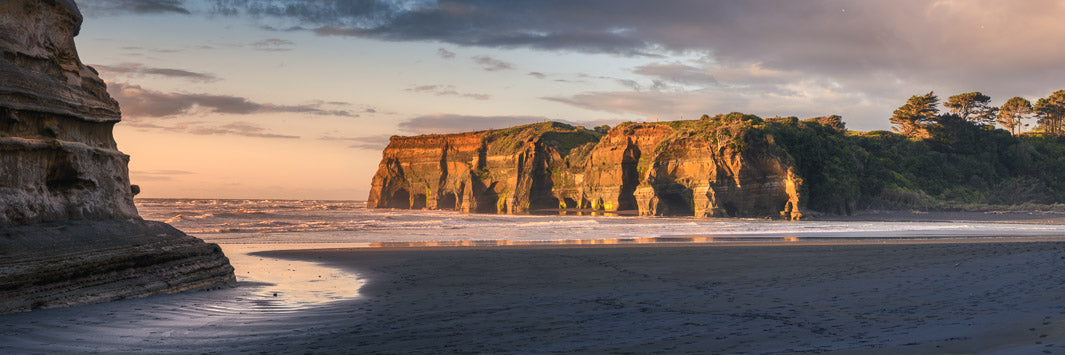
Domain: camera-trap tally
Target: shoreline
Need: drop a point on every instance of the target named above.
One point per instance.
(887, 298)
(939, 296)
(720, 242)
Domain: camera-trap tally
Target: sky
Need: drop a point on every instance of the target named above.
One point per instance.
(294, 99)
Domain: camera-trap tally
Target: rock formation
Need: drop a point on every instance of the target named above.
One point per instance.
(69, 231)
(710, 167)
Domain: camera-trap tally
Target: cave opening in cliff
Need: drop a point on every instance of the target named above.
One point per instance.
(418, 202)
(400, 199)
(677, 201)
(447, 201)
(630, 178)
(489, 203)
(570, 203)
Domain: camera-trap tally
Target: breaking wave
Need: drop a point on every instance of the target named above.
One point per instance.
(270, 221)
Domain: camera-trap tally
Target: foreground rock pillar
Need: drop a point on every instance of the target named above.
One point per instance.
(69, 231)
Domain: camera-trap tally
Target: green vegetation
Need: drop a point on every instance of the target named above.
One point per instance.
(561, 136)
(1013, 112)
(918, 112)
(972, 106)
(949, 161)
(954, 160)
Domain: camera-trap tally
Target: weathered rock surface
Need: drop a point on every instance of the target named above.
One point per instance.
(67, 263)
(706, 167)
(59, 163)
(488, 171)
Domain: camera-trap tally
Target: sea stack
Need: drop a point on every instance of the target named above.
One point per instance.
(69, 231)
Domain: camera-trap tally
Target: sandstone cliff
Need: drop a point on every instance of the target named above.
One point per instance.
(711, 167)
(488, 171)
(66, 204)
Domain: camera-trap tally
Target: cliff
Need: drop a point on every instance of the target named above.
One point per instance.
(504, 171)
(70, 230)
(723, 166)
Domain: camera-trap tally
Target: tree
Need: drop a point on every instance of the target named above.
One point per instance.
(912, 118)
(972, 106)
(1051, 111)
(1013, 112)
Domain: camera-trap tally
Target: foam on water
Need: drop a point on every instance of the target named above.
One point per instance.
(310, 221)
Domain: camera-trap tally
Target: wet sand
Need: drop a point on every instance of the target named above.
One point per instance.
(909, 297)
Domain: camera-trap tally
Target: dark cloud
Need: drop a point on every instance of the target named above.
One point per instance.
(137, 69)
(274, 45)
(537, 75)
(447, 90)
(909, 45)
(200, 128)
(491, 64)
(444, 53)
(113, 7)
(375, 143)
(140, 102)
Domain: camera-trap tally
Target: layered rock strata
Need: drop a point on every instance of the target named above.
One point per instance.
(66, 203)
(706, 167)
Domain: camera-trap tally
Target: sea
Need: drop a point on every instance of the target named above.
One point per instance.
(278, 300)
(262, 221)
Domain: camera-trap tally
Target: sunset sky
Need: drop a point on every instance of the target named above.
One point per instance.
(296, 99)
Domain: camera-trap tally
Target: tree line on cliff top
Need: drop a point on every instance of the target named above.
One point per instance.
(952, 160)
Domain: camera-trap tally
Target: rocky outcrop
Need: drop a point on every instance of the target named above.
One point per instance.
(67, 263)
(63, 181)
(488, 171)
(716, 166)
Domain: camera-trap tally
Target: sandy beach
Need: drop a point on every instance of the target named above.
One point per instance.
(937, 297)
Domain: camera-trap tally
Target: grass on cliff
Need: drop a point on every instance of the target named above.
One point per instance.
(561, 136)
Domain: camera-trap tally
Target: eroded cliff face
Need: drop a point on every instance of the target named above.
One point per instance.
(60, 166)
(707, 167)
(488, 171)
(60, 160)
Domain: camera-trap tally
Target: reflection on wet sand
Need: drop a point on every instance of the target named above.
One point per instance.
(736, 240)
(288, 284)
(606, 241)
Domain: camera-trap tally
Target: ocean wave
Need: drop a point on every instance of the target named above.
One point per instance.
(560, 223)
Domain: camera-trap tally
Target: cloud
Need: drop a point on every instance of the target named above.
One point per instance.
(137, 69)
(447, 90)
(677, 73)
(140, 102)
(157, 175)
(537, 75)
(114, 7)
(243, 129)
(452, 123)
(238, 129)
(890, 49)
(375, 143)
(273, 45)
(803, 98)
(444, 53)
(491, 64)
(162, 172)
